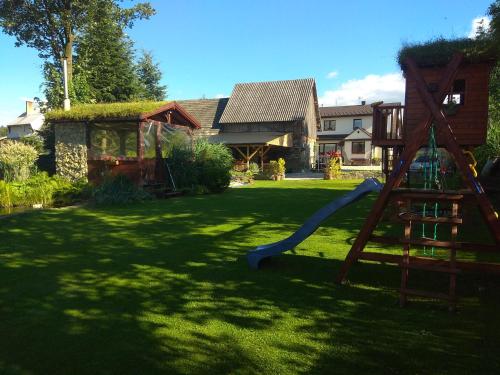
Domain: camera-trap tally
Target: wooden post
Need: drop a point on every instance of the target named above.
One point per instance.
(262, 159)
(140, 150)
(248, 157)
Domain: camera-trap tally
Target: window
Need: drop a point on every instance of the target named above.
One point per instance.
(328, 147)
(457, 94)
(358, 147)
(357, 123)
(329, 124)
(113, 140)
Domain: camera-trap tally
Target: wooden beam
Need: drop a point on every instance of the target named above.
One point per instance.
(241, 152)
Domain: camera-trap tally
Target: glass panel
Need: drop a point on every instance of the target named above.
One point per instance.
(113, 140)
(149, 134)
(357, 123)
(172, 138)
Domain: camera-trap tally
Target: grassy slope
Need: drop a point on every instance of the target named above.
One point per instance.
(163, 287)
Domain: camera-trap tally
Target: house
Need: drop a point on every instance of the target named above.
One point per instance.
(347, 129)
(27, 123)
(264, 121)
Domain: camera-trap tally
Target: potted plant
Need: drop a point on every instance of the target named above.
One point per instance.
(332, 169)
(277, 169)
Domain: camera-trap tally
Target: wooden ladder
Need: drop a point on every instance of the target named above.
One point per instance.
(448, 267)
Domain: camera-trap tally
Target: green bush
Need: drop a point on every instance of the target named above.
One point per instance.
(33, 140)
(44, 190)
(202, 167)
(17, 160)
(254, 168)
(118, 190)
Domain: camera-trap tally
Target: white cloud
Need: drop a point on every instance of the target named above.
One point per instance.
(477, 24)
(220, 96)
(333, 74)
(372, 88)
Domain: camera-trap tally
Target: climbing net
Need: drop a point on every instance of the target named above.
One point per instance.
(433, 179)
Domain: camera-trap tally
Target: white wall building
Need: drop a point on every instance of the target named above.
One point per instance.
(346, 129)
(27, 123)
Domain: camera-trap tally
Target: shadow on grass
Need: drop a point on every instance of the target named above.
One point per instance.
(163, 287)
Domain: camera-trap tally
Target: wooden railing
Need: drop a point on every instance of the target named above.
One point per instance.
(388, 124)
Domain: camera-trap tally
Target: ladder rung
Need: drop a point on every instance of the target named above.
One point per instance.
(464, 246)
(431, 195)
(430, 242)
(430, 268)
(424, 293)
(408, 216)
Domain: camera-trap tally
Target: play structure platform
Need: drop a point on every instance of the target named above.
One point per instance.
(309, 227)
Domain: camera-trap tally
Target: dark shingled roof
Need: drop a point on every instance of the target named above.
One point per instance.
(346, 110)
(275, 101)
(206, 111)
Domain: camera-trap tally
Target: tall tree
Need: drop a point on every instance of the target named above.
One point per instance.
(149, 75)
(53, 26)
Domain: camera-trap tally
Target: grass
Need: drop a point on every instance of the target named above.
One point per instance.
(439, 51)
(89, 112)
(163, 287)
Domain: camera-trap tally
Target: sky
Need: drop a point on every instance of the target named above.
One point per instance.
(204, 47)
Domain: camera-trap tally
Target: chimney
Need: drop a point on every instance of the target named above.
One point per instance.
(29, 107)
(363, 102)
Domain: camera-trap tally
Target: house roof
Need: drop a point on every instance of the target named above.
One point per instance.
(346, 110)
(207, 111)
(365, 134)
(276, 101)
(26, 119)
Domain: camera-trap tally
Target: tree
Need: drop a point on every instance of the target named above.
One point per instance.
(104, 64)
(53, 26)
(492, 146)
(149, 75)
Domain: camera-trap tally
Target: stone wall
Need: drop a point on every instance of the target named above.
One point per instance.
(71, 150)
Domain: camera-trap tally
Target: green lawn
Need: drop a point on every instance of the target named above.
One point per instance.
(163, 287)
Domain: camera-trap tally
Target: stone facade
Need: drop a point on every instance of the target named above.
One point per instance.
(71, 150)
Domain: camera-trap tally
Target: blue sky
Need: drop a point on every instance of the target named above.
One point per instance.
(204, 47)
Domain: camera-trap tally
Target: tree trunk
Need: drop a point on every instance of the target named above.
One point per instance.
(68, 54)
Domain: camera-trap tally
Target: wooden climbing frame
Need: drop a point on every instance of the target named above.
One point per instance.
(391, 190)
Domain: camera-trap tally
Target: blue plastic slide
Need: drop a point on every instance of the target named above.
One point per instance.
(309, 227)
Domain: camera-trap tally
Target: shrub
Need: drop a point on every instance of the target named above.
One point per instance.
(5, 194)
(254, 169)
(201, 168)
(118, 190)
(33, 140)
(376, 161)
(44, 190)
(17, 160)
(332, 170)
